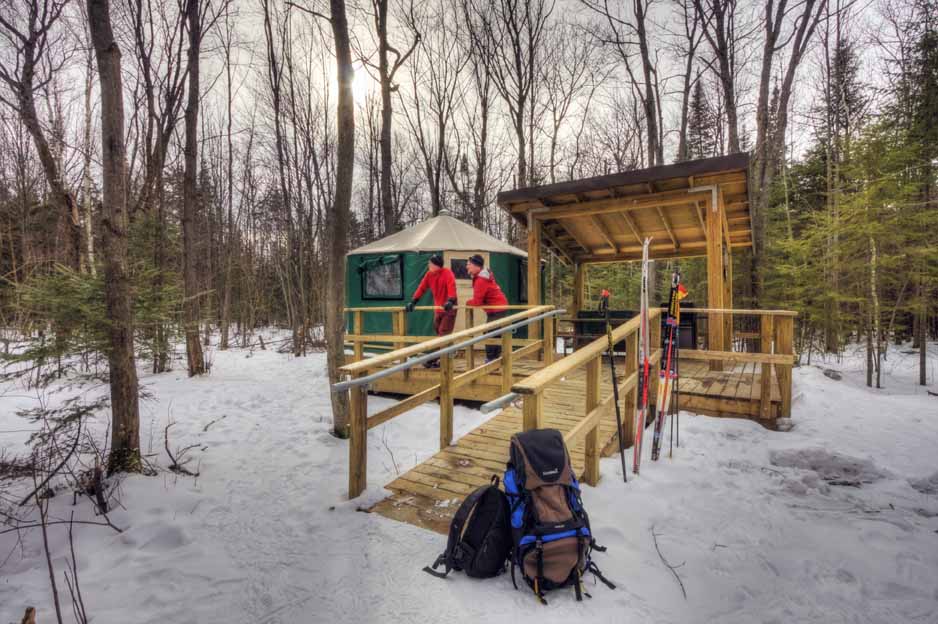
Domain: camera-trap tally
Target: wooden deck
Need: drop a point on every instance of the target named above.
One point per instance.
(429, 494)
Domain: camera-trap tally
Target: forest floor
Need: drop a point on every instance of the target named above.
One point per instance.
(752, 519)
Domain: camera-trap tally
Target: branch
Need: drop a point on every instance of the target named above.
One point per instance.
(309, 11)
(670, 567)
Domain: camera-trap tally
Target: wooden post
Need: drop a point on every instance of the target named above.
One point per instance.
(715, 275)
(507, 357)
(531, 411)
(766, 333)
(784, 329)
(534, 270)
(550, 343)
(631, 397)
(358, 441)
(591, 451)
(446, 401)
(727, 274)
(470, 350)
(399, 326)
(578, 288)
(359, 327)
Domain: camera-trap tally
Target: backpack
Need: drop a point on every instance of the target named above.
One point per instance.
(551, 539)
(479, 535)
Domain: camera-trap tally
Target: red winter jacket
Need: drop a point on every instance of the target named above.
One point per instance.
(442, 285)
(485, 292)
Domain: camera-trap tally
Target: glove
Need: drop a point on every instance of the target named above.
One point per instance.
(410, 306)
(449, 304)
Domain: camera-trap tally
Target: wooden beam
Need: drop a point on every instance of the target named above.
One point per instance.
(736, 356)
(615, 204)
(557, 245)
(784, 329)
(591, 448)
(727, 271)
(700, 217)
(667, 227)
(446, 401)
(578, 288)
(766, 333)
(632, 226)
(534, 268)
(579, 241)
(715, 280)
(358, 441)
(604, 231)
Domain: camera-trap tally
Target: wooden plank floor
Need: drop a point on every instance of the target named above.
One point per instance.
(429, 494)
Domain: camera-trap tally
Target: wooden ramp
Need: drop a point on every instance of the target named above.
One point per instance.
(429, 494)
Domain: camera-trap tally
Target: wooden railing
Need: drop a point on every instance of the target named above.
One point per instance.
(398, 338)
(761, 337)
(359, 420)
(596, 407)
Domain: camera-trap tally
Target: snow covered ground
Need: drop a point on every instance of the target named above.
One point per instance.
(265, 535)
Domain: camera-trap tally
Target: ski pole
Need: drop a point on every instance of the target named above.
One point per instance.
(604, 307)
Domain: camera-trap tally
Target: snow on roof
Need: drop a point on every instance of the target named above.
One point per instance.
(442, 233)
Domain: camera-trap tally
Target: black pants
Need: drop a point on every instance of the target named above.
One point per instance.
(493, 352)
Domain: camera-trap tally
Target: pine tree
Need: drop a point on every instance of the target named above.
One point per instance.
(701, 125)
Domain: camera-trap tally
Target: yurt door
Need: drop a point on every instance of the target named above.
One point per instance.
(458, 262)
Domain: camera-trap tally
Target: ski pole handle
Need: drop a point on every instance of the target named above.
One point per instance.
(604, 301)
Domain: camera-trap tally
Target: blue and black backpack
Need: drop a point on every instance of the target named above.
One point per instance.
(551, 539)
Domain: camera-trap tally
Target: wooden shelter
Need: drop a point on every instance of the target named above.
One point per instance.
(689, 209)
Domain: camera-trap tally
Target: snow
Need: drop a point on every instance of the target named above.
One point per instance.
(753, 518)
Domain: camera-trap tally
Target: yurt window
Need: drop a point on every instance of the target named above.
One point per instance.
(383, 277)
(460, 268)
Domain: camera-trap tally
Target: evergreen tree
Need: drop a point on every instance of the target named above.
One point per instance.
(701, 125)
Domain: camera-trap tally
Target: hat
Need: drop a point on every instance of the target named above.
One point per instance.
(437, 259)
(477, 260)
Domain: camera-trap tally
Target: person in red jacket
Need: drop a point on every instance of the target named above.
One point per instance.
(442, 285)
(486, 292)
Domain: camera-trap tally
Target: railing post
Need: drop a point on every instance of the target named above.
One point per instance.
(507, 357)
(470, 350)
(591, 451)
(358, 441)
(766, 333)
(358, 347)
(446, 401)
(784, 329)
(628, 407)
(549, 342)
(399, 326)
(531, 409)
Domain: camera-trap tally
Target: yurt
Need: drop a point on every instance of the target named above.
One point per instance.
(388, 271)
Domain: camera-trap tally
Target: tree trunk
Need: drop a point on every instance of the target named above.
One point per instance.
(338, 223)
(194, 356)
(125, 420)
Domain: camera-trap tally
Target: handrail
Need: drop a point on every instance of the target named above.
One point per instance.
(435, 307)
(442, 341)
(537, 382)
(433, 355)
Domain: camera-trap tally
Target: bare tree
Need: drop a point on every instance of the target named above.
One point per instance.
(517, 30)
(626, 32)
(125, 419)
(788, 27)
(190, 199)
(436, 84)
(38, 51)
(338, 220)
(721, 32)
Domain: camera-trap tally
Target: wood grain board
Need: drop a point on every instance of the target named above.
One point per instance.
(429, 494)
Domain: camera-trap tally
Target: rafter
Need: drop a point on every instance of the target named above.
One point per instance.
(667, 227)
(604, 231)
(632, 226)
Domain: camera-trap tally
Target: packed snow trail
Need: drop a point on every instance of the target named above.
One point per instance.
(265, 534)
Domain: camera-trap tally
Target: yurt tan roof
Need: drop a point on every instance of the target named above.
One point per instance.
(442, 233)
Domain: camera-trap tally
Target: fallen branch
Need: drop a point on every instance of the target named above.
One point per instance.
(673, 568)
(30, 616)
(176, 466)
(50, 523)
(205, 428)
